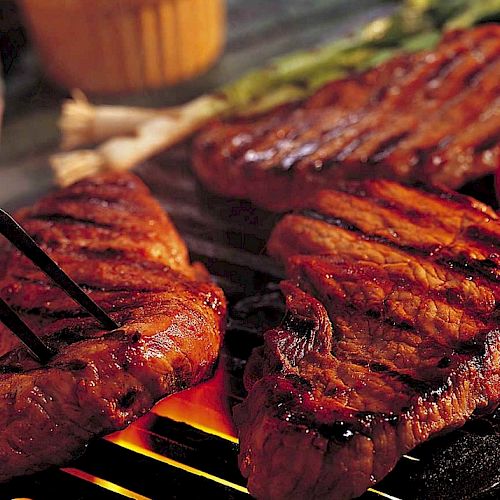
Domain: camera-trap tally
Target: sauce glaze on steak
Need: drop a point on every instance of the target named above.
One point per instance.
(113, 238)
(391, 337)
(432, 116)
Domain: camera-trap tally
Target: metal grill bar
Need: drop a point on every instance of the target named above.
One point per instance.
(103, 483)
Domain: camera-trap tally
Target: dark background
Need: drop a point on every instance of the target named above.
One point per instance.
(13, 39)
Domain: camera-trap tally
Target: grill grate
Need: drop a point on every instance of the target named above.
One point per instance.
(186, 447)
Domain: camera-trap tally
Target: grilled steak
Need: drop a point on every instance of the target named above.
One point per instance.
(391, 337)
(110, 236)
(431, 116)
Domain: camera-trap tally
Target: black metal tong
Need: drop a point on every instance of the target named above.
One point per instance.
(28, 247)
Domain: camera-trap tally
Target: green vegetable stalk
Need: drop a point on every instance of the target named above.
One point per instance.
(415, 25)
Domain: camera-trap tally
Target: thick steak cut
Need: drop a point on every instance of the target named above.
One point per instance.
(432, 116)
(391, 337)
(109, 234)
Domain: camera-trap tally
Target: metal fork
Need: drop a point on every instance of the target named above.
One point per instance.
(28, 247)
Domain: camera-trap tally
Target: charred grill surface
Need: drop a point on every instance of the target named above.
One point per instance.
(431, 117)
(109, 235)
(391, 337)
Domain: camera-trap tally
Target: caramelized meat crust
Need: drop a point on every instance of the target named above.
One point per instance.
(109, 235)
(432, 116)
(391, 337)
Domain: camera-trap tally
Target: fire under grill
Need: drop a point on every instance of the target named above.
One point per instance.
(186, 447)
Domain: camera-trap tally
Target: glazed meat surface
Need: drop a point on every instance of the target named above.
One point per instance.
(391, 337)
(432, 116)
(113, 238)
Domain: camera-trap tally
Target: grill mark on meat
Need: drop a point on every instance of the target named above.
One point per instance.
(474, 78)
(290, 160)
(474, 347)
(415, 385)
(349, 148)
(456, 122)
(378, 92)
(47, 313)
(386, 146)
(431, 104)
(407, 214)
(138, 270)
(127, 399)
(125, 206)
(413, 337)
(68, 219)
(334, 221)
(474, 71)
(439, 193)
(73, 365)
(137, 298)
(360, 422)
(260, 143)
(63, 313)
(83, 198)
(484, 268)
(305, 147)
(454, 126)
(67, 336)
(346, 150)
(428, 93)
(64, 338)
(451, 295)
(418, 215)
(338, 431)
(402, 71)
(421, 156)
(365, 134)
(474, 232)
(104, 200)
(488, 143)
(348, 226)
(99, 286)
(100, 254)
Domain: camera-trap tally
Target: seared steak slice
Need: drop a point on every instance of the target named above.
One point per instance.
(391, 337)
(430, 116)
(111, 236)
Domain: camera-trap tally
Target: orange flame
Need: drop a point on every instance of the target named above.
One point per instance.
(204, 406)
(133, 439)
